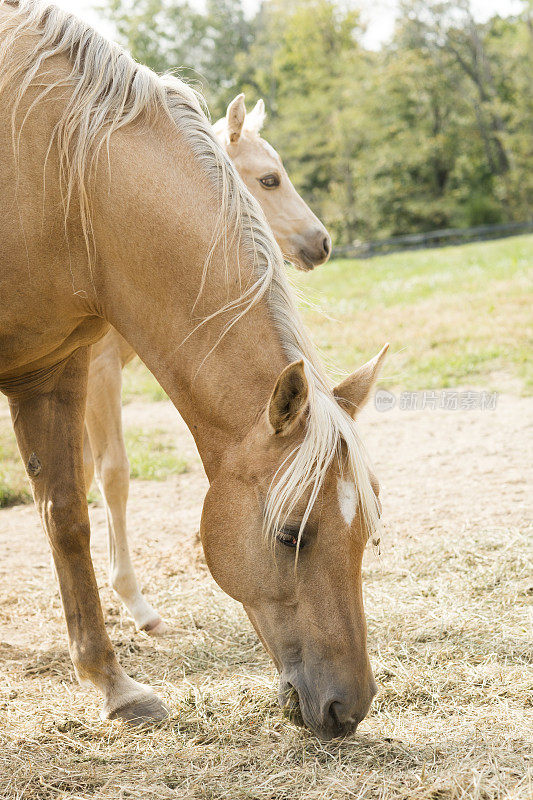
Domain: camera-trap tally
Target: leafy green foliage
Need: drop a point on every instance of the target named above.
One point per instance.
(434, 130)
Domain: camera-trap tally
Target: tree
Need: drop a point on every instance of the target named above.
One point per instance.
(164, 36)
(433, 130)
(307, 63)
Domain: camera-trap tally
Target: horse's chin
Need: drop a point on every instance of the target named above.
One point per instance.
(300, 262)
(290, 704)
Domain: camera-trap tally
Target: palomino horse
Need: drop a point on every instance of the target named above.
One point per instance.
(118, 206)
(302, 238)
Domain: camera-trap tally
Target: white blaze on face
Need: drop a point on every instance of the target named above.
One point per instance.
(347, 499)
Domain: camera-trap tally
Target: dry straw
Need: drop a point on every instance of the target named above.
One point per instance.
(447, 635)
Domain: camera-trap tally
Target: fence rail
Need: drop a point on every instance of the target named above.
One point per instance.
(420, 241)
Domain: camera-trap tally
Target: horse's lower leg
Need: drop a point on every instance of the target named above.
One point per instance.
(104, 425)
(112, 475)
(49, 430)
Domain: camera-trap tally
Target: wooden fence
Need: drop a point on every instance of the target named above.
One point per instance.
(420, 241)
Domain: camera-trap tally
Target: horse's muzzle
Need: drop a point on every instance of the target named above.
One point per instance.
(310, 249)
(329, 716)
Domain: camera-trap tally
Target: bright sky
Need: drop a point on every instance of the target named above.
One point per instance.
(378, 14)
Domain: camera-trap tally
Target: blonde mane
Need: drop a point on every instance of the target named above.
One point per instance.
(109, 91)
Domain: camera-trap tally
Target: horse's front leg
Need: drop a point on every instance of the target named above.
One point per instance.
(49, 430)
(104, 426)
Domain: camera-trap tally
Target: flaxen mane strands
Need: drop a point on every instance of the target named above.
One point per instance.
(109, 90)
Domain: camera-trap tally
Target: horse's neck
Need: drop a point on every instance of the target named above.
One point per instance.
(154, 224)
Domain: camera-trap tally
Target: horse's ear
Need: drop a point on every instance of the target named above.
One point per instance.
(256, 118)
(354, 391)
(235, 118)
(288, 402)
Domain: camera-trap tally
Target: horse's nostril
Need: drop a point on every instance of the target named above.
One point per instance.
(333, 713)
(326, 245)
(337, 719)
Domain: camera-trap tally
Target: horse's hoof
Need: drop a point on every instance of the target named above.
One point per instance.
(146, 711)
(157, 628)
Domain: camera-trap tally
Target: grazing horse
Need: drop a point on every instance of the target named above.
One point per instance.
(119, 207)
(302, 238)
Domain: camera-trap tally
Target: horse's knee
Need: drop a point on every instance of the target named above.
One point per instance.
(114, 474)
(124, 583)
(67, 525)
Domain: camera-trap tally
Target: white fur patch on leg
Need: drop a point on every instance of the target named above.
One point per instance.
(347, 499)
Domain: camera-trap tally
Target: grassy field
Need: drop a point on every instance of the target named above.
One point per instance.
(153, 456)
(13, 481)
(457, 316)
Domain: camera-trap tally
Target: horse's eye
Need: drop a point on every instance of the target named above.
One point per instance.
(288, 535)
(269, 181)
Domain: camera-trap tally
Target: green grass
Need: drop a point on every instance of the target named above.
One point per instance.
(139, 384)
(454, 316)
(14, 487)
(153, 455)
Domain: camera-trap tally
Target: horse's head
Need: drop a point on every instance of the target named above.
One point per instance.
(304, 597)
(301, 236)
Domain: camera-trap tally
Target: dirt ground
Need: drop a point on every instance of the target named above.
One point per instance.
(456, 493)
